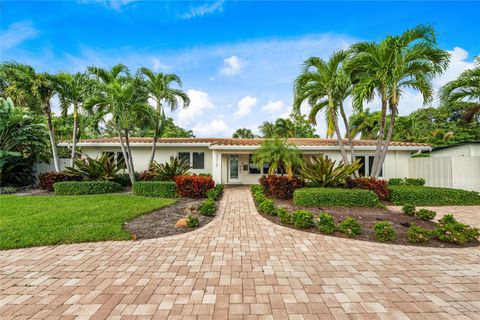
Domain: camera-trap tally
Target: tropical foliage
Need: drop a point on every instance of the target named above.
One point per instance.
(281, 155)
(243, 133)
(295, 126)
(169, 170)
(101, 169)
(324, 172)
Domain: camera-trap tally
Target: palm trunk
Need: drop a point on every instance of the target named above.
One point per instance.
(75, 133)
(340, 141)
(349, 137)
(125, 156)
(155, 135)
(387, 141)
(130, 161)
(380, 138)
(53, 144)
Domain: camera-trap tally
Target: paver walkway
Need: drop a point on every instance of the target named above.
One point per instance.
(240, 266)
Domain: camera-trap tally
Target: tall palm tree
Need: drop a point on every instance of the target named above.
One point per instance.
(386, 69)
(365, 123)
(267, 129)
(319, 85)
(34, 91)
(73, 90)
(284, 128)
(243, 133)
(464, 92)
(278, 154)
(160, 90)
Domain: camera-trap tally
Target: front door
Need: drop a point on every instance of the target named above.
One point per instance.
(233, 169)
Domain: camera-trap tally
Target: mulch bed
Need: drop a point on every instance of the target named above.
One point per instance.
(161, 223)
(367, 217)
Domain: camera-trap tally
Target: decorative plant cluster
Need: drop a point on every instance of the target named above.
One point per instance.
(194, 186)
(406, 182)
(302, 219)
(103, 168)
(326, 223)
(424, 214)
(284, 216)
(281, 187)
(409, 209)
(86, 187)
(192, 221)
(416, 234)
(379, 186)
(431, 196)
(324, 172)
(384, 232)
(162, 189)
(46, 180)
(208, 206)
(350, 227)
(166, 171)
(335, 197)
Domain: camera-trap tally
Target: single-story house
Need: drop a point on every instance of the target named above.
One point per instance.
(229, 160)
(461, 149)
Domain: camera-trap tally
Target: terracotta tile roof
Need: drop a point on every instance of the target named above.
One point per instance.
(253, 142)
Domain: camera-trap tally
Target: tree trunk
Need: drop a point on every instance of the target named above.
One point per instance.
(340, 140)
(381, 137)
(75, 133)
(387, 142)
(130, 161)
(125, 157)
(51, 133)
(155, 134)
(349, 137)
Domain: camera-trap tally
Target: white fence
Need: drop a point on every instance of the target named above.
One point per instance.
(448, 172)
(42, 167)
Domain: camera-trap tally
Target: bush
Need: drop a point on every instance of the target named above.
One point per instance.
(425, 214)
(264, 184)
(384, 231)
(302, 219)
(380, 187)
(350, 227)
(430, 196)
(267, 207)
(103, 168)
(169, 170)
(326, 224)
(86, 187)
(395, 182)
(194, 186)
(417, 234)
(46, 180)
(192, 221)
(406, 182)
(326, 173)
(215, 193)
(7, 190)
(332, 197)
(122, 179)
(281, 187)
(163, 189)
(285, 216)
(207, 208)
(449, 230)
(409, 209)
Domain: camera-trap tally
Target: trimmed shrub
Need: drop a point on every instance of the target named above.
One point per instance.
(417, 234)
(46, 180)
(86, 187)
(406, 182)
(264, 184)
(216, 192)
(425, 214)
(384, 231)
(449, 230)
(334, 197)
(302, 219)
(281, 187)
(285, 216)
(267, 207)
(326, 224)
(380, 187)
(194, 186)
(350, 227)
(163, 189)
(207, 208)
(409, 209)
(122, 179)
(431, 196)
(7, 190)
(192, 221)
(395, 182)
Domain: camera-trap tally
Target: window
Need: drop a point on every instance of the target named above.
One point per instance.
(198, 160)
(184, 156)
(252, 167)
(367, 165)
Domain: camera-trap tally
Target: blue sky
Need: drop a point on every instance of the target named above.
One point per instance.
(237, 59)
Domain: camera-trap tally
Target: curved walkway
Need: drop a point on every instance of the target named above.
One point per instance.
(240, 266)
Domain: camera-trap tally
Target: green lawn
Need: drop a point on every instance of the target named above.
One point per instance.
(45, 220)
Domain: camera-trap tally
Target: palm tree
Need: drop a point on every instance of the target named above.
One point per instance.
(284, 128)
(243, 133)
(386, 69)
(365, 123)
(267, 129)
(159, 89)
(320, 84)
(73, 90)
(279, 154)
(34, 91)
(464, 92)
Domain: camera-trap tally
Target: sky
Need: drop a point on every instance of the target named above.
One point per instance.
(237, 59)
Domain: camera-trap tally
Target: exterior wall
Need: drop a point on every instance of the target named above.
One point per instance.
(472, 149)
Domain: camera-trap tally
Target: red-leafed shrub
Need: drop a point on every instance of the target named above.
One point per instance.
(264, 183)
(46, 180)
(146, 175)
(379, 186)
(194, 186)
(281, 187)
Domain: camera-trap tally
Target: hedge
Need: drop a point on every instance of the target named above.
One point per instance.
(47, 179)
(335, 197)
(431, 196)
(194, 186)
(163, 189)
(86, 187)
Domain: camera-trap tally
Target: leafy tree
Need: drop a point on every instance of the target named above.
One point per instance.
(243, 133)
(386, 69)
(296, 126)
(279, 154)
(267, 129)
(365, 123)
(303, 127)
(159, 89)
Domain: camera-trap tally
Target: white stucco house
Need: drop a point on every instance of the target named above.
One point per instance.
(229, 160)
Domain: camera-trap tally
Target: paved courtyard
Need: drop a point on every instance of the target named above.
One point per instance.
(240, 266)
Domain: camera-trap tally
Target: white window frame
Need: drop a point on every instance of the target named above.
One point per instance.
(367, 164)
(190, 158)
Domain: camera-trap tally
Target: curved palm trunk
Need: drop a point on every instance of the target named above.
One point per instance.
(125, 156)
(380, 138)
(156, 131)
(75, 134)
(130, 161)
(51, 133)
(386, 143)
(340, 141)
(349, 137)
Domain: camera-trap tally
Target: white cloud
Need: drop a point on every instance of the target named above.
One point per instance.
(205, 9)
(232, 66)
(110, 4)
(458, 64)
(199, 102)
(214, 127)
(274, 106)
(157, 65)
(245, 106)
(16, 33)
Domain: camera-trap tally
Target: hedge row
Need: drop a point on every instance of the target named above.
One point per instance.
(335, 197)
(162, 189)
(86, 187)
(431, 196)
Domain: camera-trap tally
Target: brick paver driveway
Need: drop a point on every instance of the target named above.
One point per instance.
(240, 266)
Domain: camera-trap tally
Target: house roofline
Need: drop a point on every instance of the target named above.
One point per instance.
(462, 143)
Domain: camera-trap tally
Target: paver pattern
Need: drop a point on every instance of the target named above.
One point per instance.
(240, 266)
